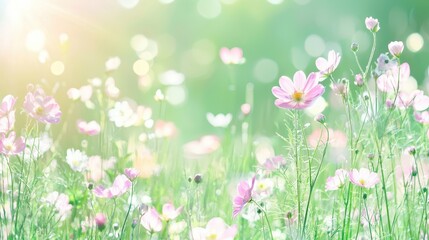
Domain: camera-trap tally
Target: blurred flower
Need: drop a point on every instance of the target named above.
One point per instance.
(337, 138)
(77, 160)
(36, 147)
(340, 88)
(327, 66)
(84, 93)
(372, 24)
(171, 78)
(358, 80)
(112, 64)
(273, 163)
(404, 99)
(389, 103)
(422, 117)
(205, 145)
(97, 167)
(151, 221)
(145, 162)
(169, 212)
(165, 129)
(246, 108)
(118, 188)
(131, 173)
(232, 56)
(320, 118)
(176, 228)
(219, 120)
(100, 221)
(122, 114)
(88, 128)
(41, 107)
(396, 48)
(337, 181)
(216, 229)
(10, 144)
(110, 88)
(300, 93)
(60, 201)
(159, 96)
(7, 114)
(369, 216)
(421, 102)
(364, 178)
(244, 195)
(384, 64)
(390, 80)
(144, 115)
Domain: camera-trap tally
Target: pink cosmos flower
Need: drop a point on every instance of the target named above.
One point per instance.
(97, 167)
(216, 229)
(328, 66)
(422, 117)
(364, 178)
(41, 107)
(396, 48)
(88, 128)
(405, 100)
(337, 181)
(100, 221)
(61, 203)
(358, 80)
(300, 93)
(231, 56)
(244, 195)
(119, 187)
(372, 24)
(7, 114)
(131, 173)
(388, 82)
(273, 163)
(421, 102)
(10, 144)
(164, 129)
(204, 146)
(151, 221)
(169, 212)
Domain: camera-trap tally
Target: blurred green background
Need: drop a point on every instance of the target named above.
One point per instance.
(277, 37)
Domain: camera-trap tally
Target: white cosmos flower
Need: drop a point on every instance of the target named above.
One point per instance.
(77, 160)
(112, 63)
(123, 115)
(219, 120)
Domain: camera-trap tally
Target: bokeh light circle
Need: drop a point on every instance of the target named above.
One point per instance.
(314, 45)
(415, 42)
(35, 40)
(57, 68)
(266, 70)
(209, 8)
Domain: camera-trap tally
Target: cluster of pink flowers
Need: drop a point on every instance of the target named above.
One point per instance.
(151, 220)
(41, 107)
(362, 178)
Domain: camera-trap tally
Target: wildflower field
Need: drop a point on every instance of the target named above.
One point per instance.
(214, 119)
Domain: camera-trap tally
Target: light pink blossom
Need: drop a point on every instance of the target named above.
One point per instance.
(7, 114)
(300, 93)
(165, 129)
(364, 178)
(10, 144)
(273, 163)
(337, 181)
(231, 56)
(327, 66)
(421, 102)
(41, 107)
(91, 128)
(393, 78)
(100, 221)
(131, 173)
(422, 117)
(119, 187)
(396, 48)
(246, 108)
(204, 146)
(244, 195)
(216, 229)
(60, 201)
(372, 24)
(169, 212)
(405, 100)
(151, 221)
(358, 80)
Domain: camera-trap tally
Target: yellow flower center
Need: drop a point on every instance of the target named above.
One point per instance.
(211, 236)
(362, 182)
(297, 96)
(39, 110)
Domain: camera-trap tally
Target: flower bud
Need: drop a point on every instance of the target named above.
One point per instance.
(358, 80)
(372, 24)
(100, 221)
(198, 178)
(396, 48)
(320, 118)
(354, 47)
